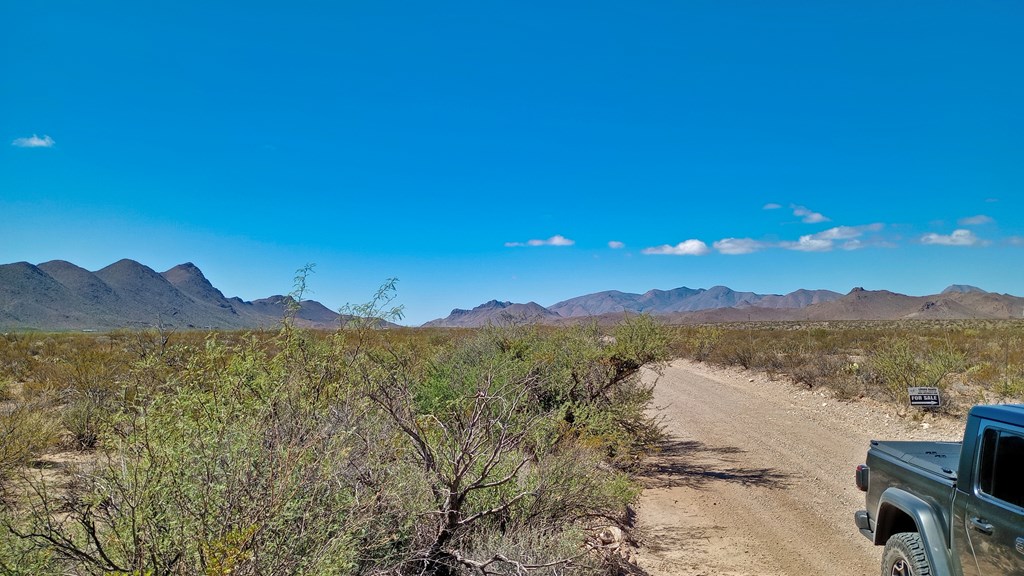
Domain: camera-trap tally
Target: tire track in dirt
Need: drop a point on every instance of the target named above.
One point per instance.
(756, 477)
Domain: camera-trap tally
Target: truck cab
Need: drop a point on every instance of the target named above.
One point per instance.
(988, 506)
(938, 518)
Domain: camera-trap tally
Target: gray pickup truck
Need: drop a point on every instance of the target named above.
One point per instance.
(949, 508)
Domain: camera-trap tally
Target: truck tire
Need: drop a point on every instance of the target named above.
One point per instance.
(904, 556)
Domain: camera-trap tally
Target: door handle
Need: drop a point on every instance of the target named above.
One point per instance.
(981, 526)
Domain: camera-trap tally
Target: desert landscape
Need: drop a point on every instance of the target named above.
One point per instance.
(639, 447)
(510, 289)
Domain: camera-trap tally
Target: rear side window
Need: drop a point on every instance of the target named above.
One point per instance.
(1001, 474)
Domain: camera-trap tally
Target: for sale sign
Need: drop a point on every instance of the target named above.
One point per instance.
(923, 396)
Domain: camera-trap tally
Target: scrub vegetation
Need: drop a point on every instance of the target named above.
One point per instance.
(969, 361)
(504, 450)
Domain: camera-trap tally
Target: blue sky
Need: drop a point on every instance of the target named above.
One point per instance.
(519, 150)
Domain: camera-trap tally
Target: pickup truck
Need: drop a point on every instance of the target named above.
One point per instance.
(949, 508)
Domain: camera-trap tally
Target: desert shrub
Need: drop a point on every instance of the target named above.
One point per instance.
(1003, 369)
(1010, 384)
(604, 402)
(889, 356)
(701, 342)
(821, 370)
(90, 381)
(1011, 387)
(848, 380)
(20, 557)
(896, 366)
(637, 340)
(987, 374)
(86, 368)
(235, 471)
(738, 353)
(825, 341)
(26, 430)
(15, 360)
(497, 460)
(85, 417)
(355, 452)
(773, 360)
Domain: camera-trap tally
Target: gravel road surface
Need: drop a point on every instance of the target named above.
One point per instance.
(757, 475)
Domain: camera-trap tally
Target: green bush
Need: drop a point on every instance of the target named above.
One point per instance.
(26, 431)
(355, 452)
(876, 358)
(897, 366)
(701, 342)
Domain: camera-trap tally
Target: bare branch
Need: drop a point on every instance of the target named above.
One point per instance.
(483, 567)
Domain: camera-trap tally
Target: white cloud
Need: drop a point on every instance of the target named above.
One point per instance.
(959, 237)
(848, 232)
(808, 216)
(975, 220)
(739, 245)
(857, 244)
(687, 248)
(1015, 240)
(556, 240)
(809, 243)
(771, 206)
(825, 240)
(34, 142)
(838, 237)
(616, 245)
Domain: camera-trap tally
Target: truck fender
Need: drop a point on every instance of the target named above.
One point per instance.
(929, 525)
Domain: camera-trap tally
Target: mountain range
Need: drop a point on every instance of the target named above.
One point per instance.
(722, 304)
(59, 295)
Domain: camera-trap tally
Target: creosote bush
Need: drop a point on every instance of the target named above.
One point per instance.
(500, 450)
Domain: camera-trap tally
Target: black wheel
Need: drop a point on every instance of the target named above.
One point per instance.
(904, 556)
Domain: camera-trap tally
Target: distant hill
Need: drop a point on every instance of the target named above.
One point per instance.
(961, 289)
(684, 300)
(497, 313)
(862, 304)
(722, 304)
(607, 302)
(59, 295)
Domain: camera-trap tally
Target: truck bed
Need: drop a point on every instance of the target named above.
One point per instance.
(925, 469)
(938, 458)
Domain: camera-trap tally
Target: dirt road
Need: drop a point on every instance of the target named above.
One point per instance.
(757, 478)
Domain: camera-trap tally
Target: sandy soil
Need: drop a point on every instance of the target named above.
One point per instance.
(757, 476)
